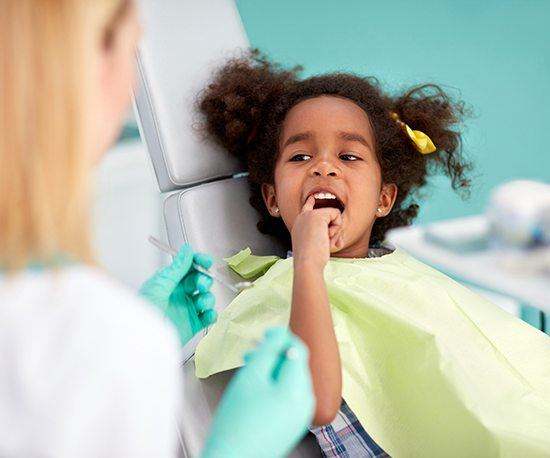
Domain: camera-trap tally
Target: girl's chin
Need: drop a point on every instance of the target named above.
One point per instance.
(334, 251)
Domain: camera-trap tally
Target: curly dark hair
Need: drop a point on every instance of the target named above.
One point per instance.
(245, 106)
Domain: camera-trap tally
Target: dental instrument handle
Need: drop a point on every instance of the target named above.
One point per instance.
(214, 277)
(163, 247)
(236, 288)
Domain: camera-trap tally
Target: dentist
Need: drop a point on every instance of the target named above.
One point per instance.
(87, 368)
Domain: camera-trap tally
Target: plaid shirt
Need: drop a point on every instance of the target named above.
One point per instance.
(346, 437)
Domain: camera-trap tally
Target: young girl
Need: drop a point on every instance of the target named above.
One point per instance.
(396, 348)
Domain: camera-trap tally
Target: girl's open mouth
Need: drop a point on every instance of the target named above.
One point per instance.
(328, 200)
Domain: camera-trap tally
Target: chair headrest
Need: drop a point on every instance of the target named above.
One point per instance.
(177, 56)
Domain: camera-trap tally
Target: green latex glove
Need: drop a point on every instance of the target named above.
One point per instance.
(183, 294)
(268, 405)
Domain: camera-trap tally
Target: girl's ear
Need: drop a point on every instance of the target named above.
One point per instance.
(270, 199)
(388, 194)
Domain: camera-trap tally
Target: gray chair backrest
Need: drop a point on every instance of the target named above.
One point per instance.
(184, 41)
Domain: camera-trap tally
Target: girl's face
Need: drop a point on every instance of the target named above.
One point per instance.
(327, 147)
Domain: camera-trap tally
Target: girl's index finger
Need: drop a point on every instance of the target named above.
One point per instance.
(310, 203)
(332, 215)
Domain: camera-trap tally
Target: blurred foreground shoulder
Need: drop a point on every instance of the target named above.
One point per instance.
(94, 369)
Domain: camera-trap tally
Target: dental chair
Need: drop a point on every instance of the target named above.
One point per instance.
(207, 194)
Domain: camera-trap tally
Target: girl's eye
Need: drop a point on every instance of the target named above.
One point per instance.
(300, 157)
(349, 157)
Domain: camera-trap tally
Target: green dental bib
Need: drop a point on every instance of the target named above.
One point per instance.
(429, 368)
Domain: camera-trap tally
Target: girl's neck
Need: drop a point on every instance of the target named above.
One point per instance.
(360, 249)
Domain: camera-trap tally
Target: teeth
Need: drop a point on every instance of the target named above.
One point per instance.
(323, 195)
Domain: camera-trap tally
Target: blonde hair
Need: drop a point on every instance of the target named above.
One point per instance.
(48, 61)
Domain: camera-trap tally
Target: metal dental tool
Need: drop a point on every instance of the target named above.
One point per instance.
(236, 288)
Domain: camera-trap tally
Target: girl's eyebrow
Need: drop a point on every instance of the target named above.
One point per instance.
(347, 136)
(354, 137)
(297, 138)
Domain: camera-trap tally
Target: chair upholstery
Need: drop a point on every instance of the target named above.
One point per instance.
(183, 42)
(216, 218)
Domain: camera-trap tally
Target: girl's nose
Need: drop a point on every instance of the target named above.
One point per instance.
(325, 168)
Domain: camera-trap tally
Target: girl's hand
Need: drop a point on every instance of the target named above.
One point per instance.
(316, 234)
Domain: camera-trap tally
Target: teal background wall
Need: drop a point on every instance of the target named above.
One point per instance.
(495, 55)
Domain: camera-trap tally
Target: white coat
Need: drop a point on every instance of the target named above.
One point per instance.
(87, 369)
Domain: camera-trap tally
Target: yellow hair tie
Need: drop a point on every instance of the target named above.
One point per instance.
(421, 141)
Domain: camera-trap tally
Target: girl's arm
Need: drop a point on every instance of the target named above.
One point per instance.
(314, 233)
(310, 319)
